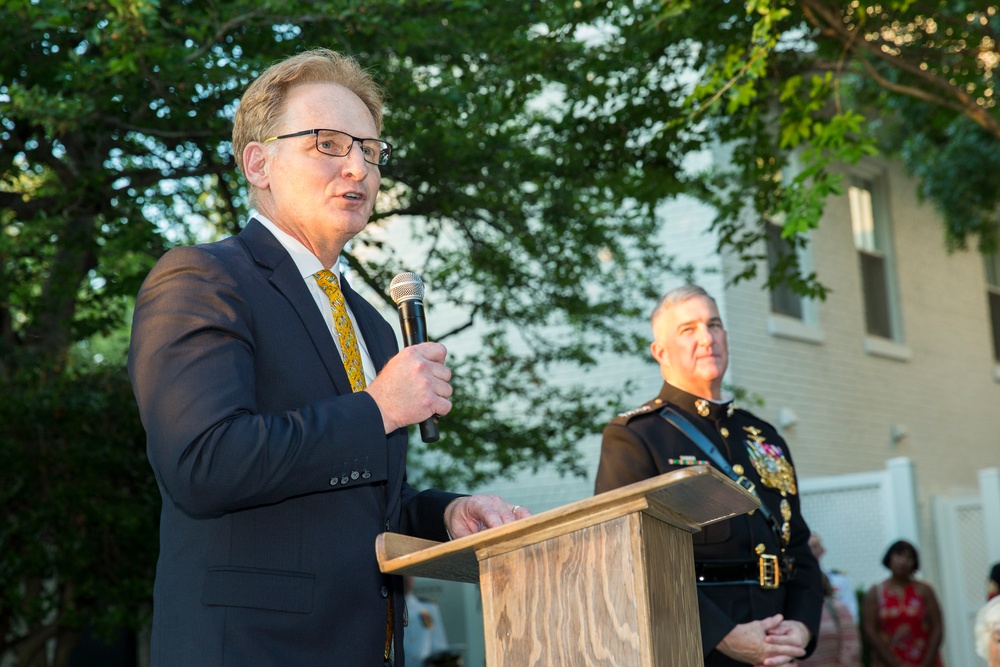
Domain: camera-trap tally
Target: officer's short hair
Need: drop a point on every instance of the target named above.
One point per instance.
(899, 547)
(676, 296)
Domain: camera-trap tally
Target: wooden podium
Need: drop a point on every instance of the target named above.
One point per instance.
(608, 580)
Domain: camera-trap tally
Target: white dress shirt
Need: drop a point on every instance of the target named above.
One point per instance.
(308, 264)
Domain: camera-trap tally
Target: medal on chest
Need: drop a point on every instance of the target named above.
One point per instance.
(769, 460)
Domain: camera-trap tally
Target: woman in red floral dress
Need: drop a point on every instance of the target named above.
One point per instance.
(901, 616)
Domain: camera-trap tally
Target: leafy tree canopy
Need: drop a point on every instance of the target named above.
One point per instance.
(793, 87)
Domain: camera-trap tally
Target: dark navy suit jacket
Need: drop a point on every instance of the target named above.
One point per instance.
(275, 477)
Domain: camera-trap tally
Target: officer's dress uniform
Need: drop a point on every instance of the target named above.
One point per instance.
(640, 444)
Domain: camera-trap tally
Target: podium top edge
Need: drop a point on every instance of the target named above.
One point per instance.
(696, 496)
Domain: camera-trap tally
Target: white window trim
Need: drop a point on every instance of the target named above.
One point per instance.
(783, 326)
(877, 346)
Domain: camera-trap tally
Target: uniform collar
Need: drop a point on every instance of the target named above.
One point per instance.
(695, 405)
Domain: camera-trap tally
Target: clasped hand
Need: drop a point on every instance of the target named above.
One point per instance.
(770, 641)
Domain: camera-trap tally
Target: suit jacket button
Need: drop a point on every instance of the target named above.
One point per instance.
(384, 592)
(344, 479)
(355, 474)
(334, 481)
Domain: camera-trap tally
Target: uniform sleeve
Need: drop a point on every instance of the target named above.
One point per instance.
(625, 459)
(715, 623)
(192, 366)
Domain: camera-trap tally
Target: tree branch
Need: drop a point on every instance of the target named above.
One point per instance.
(462, 327)
(834, 28)
(221, 32)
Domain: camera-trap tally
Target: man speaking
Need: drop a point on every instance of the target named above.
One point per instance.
(276, 403)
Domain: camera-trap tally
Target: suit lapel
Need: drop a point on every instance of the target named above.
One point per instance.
(284, 275)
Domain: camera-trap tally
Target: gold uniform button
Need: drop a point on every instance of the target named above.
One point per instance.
(724, 431)
(738, 469)
(760, 548)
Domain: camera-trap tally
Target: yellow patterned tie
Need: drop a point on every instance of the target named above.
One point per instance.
(345, 330)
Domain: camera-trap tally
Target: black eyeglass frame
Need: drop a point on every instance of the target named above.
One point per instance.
(384, 153)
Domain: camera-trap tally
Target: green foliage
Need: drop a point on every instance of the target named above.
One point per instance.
(926, 81)
(957, 165)
(78, 509)
(810, 86)
(517, 207)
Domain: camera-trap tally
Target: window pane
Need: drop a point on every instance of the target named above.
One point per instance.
(995, 317)
(784, 301)
(992, 263)
(862, 216)
(873, 281)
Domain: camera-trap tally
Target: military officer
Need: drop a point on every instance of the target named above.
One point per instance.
(759, 589)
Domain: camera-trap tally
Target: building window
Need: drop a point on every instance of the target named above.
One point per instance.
(992, 263)
(870, 224)
(792, 316)
(784, 300)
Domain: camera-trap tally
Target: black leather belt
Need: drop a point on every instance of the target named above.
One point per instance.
(766, 571)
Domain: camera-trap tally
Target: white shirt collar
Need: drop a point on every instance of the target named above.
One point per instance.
(306, 262)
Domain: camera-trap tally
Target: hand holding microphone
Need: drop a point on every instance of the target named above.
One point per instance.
(414, 386)
(407, 292)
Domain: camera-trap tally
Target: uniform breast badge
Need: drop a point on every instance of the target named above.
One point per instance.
(774, 469)
(687, 460)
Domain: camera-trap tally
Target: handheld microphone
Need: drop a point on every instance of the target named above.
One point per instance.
(407, 292)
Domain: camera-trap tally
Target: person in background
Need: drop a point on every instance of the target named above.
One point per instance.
(993, 583)
(843, 589)
(424, 634)
(276, 401)
(839, 641)
(760, 595)
(988, 632)
(901, 617)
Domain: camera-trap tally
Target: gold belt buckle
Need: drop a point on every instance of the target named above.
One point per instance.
(770, 573)
(747, 484)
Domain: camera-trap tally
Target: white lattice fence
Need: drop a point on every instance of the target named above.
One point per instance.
(961, 543)
(849, 512)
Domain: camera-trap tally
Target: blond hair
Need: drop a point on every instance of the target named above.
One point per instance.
(263, 103)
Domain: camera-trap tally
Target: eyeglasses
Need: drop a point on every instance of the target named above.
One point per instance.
(339, 144)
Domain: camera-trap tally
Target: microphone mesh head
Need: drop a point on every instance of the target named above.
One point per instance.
(406, 287)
